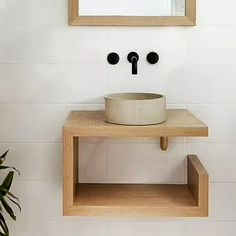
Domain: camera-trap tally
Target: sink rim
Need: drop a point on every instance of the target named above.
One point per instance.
(133, 96)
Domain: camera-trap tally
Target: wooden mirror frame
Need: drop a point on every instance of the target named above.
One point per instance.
(188, 20)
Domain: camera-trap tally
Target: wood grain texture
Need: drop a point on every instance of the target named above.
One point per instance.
(92, 124)
(198, 182)
(188, 20)
(70, 163)
(149, 200)
(152, 200)
(134, 195)
(73, 10)
(164, 141)
(191, 11)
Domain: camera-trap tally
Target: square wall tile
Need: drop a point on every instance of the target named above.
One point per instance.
(219, 14)
(222, 201)
(210, 84)
(39, 200)
(145, 163)
(53, 83)
(92, 163)
(168, 42)
(219, 118)
(35, 161)
(50, 44)
(36, 122)
(14, 12)
(211, 45)
(155, 227)
(217, 158)
(166, 80)
(78, 227)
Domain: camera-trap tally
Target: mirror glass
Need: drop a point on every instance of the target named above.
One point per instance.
(131, 8)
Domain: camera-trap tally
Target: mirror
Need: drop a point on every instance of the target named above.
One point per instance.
(132, 8)
(132, 12)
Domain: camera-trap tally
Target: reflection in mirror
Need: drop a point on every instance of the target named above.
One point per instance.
(132, 12)
(131, 8)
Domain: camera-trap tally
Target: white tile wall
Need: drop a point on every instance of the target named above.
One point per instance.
(39, 200)
(169, 42)
(48, 68)
(52, 83)
(171, 228)
(36, 122)
(212, 45)
(211, 12)
(36, 161)
(60, 228)
(28, 12)
(162, 79)
(220, 119)
(216, 84)
(93, 168)
(52, 44)
(145, 163)
(218, 158)
(126, 228)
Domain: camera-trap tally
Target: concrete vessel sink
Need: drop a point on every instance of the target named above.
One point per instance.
(135, 108)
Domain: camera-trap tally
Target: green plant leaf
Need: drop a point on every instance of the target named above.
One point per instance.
(16, 203)
(1, 234)
(3, 225)
(6, 184)
(3, 157)
(9, 167)
(9, 195)
(6, 192)
(7, 208)
(3, 228)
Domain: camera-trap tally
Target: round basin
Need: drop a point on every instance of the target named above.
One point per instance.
(135, 108)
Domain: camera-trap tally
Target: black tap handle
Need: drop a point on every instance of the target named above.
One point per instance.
(133, 58)
(152, 57)
(113, 58)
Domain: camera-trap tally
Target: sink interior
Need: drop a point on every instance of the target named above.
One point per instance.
(133, 96)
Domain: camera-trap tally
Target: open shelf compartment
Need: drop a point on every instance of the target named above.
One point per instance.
(132, 200)
(139, 200)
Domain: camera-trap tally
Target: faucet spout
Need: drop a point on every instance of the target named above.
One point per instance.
(134, 65)
(133, 58)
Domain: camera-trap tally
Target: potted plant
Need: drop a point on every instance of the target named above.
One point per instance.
(6, 197)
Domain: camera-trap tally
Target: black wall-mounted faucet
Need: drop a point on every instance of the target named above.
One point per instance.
(152, 58)
(133, 58)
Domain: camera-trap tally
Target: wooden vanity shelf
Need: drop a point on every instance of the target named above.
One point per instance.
(135, 200)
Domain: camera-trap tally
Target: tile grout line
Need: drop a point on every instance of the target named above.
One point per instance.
(185, 154)
(134, 142)
(102, 103)
(61, 181)
(66, 26)
(107, 160)
(108, 51)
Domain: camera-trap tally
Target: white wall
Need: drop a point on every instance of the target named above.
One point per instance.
(48, 68)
